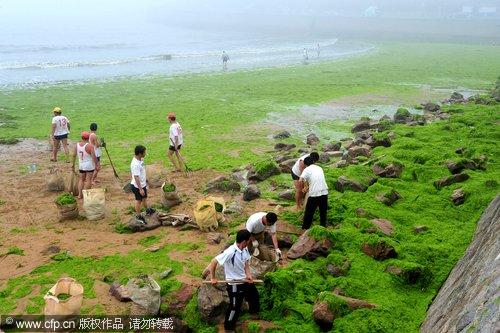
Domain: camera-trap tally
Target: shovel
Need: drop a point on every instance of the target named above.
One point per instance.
(103, 144)
(178, 153)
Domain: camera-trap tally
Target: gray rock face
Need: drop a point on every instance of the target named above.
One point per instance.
(468, 300)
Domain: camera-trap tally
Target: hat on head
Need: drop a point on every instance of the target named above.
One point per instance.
(85, 135)
(57, 109)
(171, 115)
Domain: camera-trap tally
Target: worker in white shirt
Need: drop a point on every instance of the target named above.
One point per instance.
(236, 262)
(318, 193)
(176, 140)
(257, 224)
(60, 131)
(297, 169)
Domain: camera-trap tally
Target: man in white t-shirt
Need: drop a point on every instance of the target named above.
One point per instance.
(175, 142)
(318, 193)
(138, 184)
(236, 262)
(297, 169)
(60, 131)
(257, 224)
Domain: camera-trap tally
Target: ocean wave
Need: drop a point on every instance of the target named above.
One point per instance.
(48, 48)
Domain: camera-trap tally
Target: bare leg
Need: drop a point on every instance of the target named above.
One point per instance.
(173, 160)
(298, 194)
(81, 182)
(94, 175)
(66, 150)
(181, 163)
(145, 203)
(55, 148)
(88, 180)
(138, 207)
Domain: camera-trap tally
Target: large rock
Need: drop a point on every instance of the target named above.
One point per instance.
(312, 139)
(223, 184)
(145, 293)
(458, 166)
(334, 146)
(356, 151)
(402, 116)
(119, 292)
(282, 135)
(390, 171)
(343, 183)
(384, 226)
(260, 268)
(378, 142)
(286, 166)
(309, 248)
(379, 250)
(263, 170)
(234, 208)
(468, 300)
(287, 195)
(212, 302)
(337, 270)
(431, 107)
(361, 125)
(388, 198)
(178, 300)
(446, 181)
(458, 197)
(322, 316)
(324, 158)
(251, 192)
(284, 146)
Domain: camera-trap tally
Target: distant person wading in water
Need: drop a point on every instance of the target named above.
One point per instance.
(305, 55)
(60, 131)
(225, 59)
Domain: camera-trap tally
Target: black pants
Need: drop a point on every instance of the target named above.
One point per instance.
(311, 205)
(236, 295)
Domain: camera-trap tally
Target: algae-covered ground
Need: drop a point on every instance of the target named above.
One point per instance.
(221, 115)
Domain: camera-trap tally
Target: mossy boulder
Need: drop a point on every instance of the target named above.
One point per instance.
(315, 242)
(337, 265)
(378, 248)
(402, 116)
(409, 273)
(446, 181)
(343, 183)
(223, 184)
(263, 170)
(388, 198)
(393, 170)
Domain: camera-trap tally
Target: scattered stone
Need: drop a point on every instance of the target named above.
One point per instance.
(388, 198)
(284, 146)
(287, 195)
(460, 150)
(234, 208)
(282, 135)
(165, 273)
(322, 316)
(354, 152)
(379, 251)
(286, 166)
(410, 273)
(458, 197)
(354, 303)
(303, 151)
(402, 116)
(335, 154)
(341, 164)
(392, 135)
(431, 107)
(343, 183)
(259, 268)
(338, 270)
(215, 238)
(154, 248)
(457, 97)
(179, 300)
(443, 116)
(457, 167)
(52, 249)
(127, 188)
(332, 146)
(361, 125)
(384, 226)
(212, 302)
(309, 248)
(312, 139)
(446, 181)
(282, 158)
(263, 170)
(390, 171)
(251, 192)
(223, 184)
(119, 292)
(324, 158)
(379, 142)
(285, 241)
(394, 270)
(420, 229)
(360, 212)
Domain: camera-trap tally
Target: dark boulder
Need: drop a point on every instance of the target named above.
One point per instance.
(223, 184)
(179, 300)
(379, 250)
(251, 192)
(384, 226)
(309, 248)
(402, 116)
(458, 197)
(284, 146)
(286, 166)
(420, 229)
(343, 183)
(332, 146)
(446, 181)
(324, 158)
(312, 139)
(152, 223)
(390, 171)
(357, 151)
(431, 107)
(361, 125)
(388, 198)
(287, 195)
(282, 135)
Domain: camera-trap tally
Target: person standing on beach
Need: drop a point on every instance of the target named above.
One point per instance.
(305, 55)
(175, 142)
(139, 184)
(297, 170)
(60, 131)
(225, 59)
(87, 163)
(236, 262)
(318, 50)
(318, 193)
(96, 143)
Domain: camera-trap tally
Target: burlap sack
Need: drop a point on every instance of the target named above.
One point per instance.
(145, 293)
(94, 203)
(156, 175)
(68, 212)
(205, 215)
(169, 199)
(54, 306)
(55, 181)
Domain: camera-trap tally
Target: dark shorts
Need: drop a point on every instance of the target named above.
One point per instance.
(137, 194)
(294, 176)
(60, 137)
(173, 149)
(98, 158)
(85, 171)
